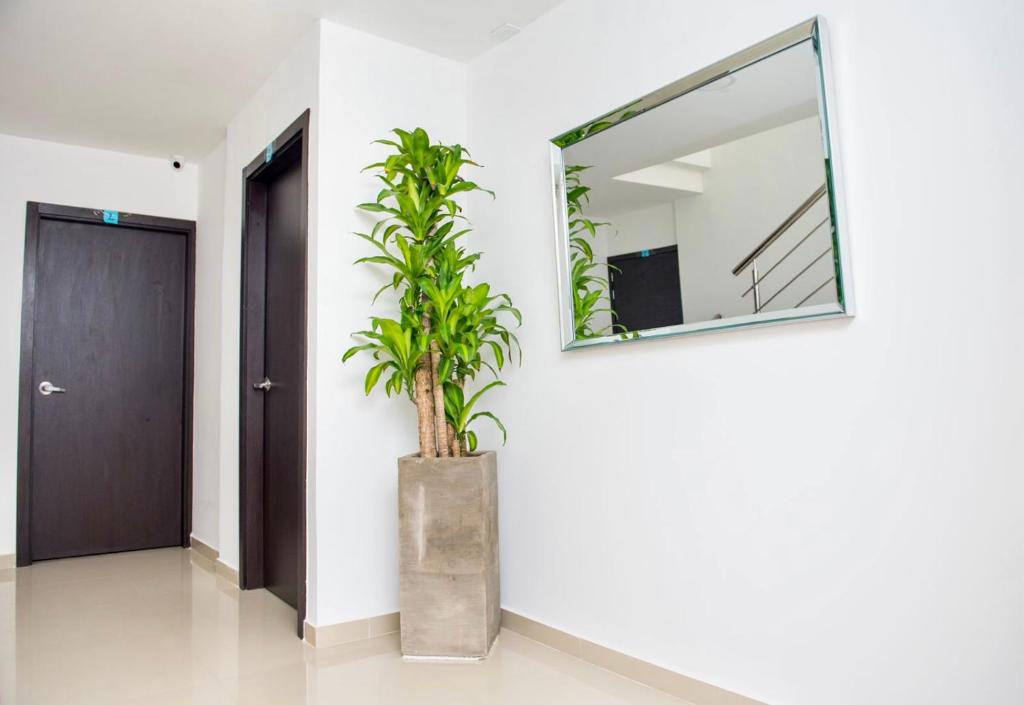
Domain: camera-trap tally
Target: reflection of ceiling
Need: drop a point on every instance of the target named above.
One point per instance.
(683, 174)
(773, 92)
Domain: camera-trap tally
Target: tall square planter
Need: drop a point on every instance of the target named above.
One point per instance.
(449, 594)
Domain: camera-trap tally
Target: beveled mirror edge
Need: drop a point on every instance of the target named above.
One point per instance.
(741, 59)
(566, 316)
(771, 318)
(814, 28)
(829, 131)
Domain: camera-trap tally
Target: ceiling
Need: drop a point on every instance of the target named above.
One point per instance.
(164, 78)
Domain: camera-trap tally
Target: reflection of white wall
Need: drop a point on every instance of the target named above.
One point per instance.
(643, 229)
(755, 184)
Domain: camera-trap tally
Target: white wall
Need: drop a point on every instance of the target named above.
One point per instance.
(698, 526)
(824, 512)
(289, 91)
(367, 86)
(31, 170)
(358, 87)
(207, 393)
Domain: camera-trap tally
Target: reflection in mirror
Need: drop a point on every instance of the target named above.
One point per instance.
(713, 208)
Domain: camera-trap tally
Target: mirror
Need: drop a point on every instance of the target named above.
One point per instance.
(708, 204)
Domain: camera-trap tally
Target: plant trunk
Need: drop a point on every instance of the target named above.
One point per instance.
(425, 402)
(453, 442)
(440, 423)
(425, 409)
(460, 443)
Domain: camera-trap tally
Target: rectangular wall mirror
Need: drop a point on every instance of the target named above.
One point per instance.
(709, 204)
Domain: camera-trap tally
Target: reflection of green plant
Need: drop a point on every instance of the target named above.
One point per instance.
(599, 125)
(444, 325)
(589, 290)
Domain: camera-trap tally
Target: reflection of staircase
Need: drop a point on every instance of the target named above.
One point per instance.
(760, 251)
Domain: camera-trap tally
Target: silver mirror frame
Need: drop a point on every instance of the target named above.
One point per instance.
(813, 29)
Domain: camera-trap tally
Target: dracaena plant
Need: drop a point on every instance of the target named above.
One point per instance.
(446, 331)
(590, 290)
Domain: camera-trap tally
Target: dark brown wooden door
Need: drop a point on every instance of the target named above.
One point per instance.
(285, 367)
(109, 328)
(645, 289)
(272, 415)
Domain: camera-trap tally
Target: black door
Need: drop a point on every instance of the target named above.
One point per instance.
(104, 379)
(273, 376)
(645, 289)
(285, 368)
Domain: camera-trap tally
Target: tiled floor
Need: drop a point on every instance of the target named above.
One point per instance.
(153, 627)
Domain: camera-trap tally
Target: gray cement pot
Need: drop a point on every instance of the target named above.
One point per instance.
(448, 516)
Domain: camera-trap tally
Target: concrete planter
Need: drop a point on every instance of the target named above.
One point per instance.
(448, 516)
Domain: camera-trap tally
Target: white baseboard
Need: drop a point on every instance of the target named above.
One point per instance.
(209, 558)
(225, 571)
(203, 548)
(348, 632)
(689, 689)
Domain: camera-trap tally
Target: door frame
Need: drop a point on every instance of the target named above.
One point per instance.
(252, 360)
(35, 214)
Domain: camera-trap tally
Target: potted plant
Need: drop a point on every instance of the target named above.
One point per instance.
(446, 333)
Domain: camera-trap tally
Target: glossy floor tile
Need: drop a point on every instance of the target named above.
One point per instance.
(157, 627)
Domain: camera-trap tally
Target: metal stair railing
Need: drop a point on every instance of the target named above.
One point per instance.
(751, 259)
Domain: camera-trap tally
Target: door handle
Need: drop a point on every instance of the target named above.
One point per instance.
(263, 386)
(46, 389)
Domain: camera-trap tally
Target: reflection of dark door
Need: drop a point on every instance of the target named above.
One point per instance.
(104, 383)
(274, 370)
(645, 290)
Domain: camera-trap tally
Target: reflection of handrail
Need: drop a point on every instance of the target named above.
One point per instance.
(784, 257)
(798, 275)
(779, 231)
(819, 288)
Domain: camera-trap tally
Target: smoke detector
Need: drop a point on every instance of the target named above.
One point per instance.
(503, 32)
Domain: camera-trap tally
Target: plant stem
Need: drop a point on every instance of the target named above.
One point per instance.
(440, 424)
(425, 402)
(460, 443)
(453, 442)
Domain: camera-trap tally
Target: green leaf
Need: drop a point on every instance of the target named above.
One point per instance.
(372, 376)
(496, 420)
(353, 350)
(376, 208)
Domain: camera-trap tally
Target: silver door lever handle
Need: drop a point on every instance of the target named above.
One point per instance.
(264, 386)
(46, 389)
